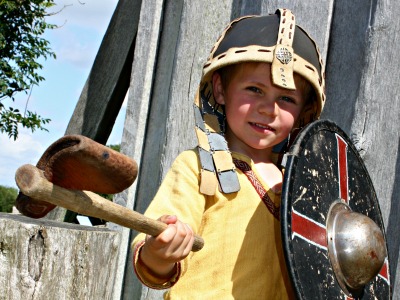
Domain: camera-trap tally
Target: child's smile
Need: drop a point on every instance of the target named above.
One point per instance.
(261, 127)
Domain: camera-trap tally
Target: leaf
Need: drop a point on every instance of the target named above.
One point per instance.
(22, 24)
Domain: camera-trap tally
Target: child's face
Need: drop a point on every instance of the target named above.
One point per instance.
(259, 115)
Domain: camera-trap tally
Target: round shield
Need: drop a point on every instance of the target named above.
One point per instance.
(326, 194)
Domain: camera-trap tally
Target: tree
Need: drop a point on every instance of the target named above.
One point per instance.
(7, 198)
(22, 23)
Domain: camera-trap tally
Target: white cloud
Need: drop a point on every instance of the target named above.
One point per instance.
(13, 154)
(71, 49)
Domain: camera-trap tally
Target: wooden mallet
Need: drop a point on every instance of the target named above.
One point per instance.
(32, 183)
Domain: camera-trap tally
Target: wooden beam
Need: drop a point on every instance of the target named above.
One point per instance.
(363, 98)
(108, 81)
(134, 134)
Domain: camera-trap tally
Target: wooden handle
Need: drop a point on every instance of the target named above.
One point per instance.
(32, 183)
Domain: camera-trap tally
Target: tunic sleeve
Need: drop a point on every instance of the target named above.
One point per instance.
(178, 195)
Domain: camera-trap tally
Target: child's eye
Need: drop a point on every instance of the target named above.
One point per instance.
(254, 89)
(287, 99)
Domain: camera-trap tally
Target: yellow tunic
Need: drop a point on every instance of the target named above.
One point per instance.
(242, 256)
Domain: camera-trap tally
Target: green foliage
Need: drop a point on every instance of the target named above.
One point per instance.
(116, 147)
(107, 196)
(7, 198)
(22, 23)
(10, 118)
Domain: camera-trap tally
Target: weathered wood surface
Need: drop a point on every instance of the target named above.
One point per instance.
(135, 126)
(42, 259)
(363, 97)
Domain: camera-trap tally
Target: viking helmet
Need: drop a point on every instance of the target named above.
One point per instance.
(273, 39)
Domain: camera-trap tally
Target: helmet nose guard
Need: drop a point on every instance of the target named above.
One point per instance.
(273, 39)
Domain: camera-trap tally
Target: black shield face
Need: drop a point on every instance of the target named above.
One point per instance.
(321, 167)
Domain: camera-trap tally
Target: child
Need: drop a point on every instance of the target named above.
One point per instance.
(263, 79)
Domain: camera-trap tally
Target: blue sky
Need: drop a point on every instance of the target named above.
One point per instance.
(82, 24)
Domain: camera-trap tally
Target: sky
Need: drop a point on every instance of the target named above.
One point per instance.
(82, 25)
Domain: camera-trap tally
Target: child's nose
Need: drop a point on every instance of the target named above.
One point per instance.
(268, 107)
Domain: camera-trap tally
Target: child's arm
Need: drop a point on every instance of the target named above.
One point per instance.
(179, 196)
(160, 254)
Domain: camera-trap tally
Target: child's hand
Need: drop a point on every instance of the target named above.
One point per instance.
(160, 253)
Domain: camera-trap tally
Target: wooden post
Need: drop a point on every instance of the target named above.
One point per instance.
(43, 259)
(134, 134)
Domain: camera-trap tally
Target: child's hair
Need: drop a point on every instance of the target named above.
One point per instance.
(273, 39)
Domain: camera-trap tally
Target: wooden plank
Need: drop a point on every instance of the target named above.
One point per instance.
(176, 79)
(363, 98)
(42, 259)
(134, 134)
